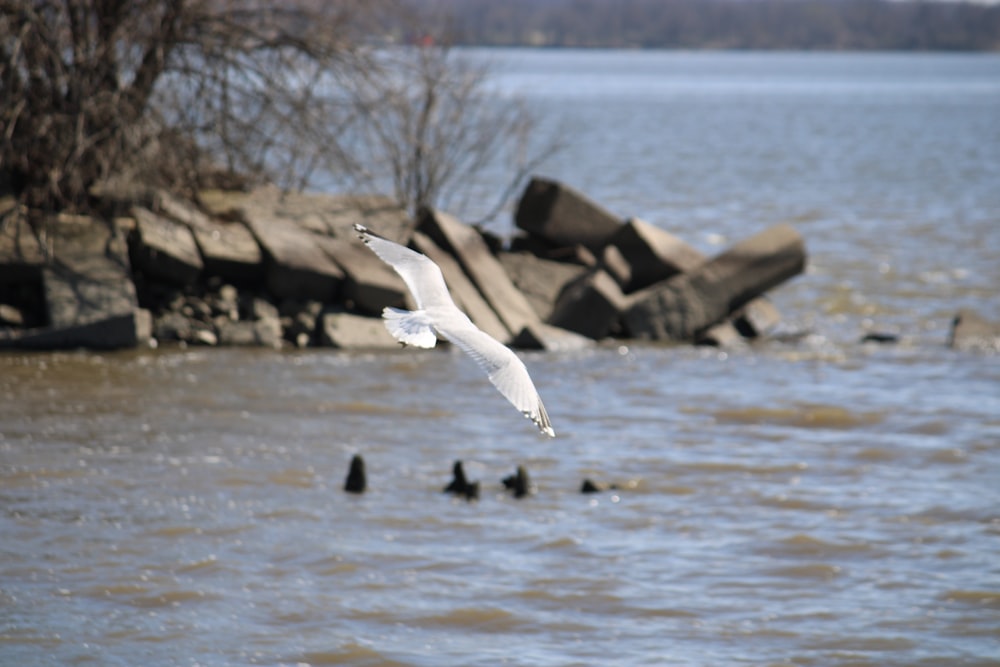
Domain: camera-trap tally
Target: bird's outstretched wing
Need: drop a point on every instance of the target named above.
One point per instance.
(437, 314)
(421, 275)
(505, 370)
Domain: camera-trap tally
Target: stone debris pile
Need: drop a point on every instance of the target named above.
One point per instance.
(274, 269)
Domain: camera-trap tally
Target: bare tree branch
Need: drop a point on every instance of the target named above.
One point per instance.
(88, 87)
(426, 122)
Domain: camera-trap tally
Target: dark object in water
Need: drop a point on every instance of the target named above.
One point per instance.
(356, 481)
(460, 485)
(590, 486)
(879, 337)
(519, 483)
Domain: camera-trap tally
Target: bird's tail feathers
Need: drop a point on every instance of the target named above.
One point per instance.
(410, 327)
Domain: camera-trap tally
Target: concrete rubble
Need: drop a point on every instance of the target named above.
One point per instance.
(270, 269)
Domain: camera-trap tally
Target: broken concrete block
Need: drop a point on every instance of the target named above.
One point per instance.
(348, 331)
(547, 337)
(592, 306)
(369, 283)
(614, 262)
(756, 318)
(295, 267)
(228, 250)
(21, 252)
(22, 257)
(564, 217)
(89, 279)
(163, 249)
(684, 306)
(540, 280)
(653, 254)
(723, 335)
(124, 331)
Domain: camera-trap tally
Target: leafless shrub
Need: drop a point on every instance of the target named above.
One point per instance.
(426, 121)
(86, 85)
(176, 92)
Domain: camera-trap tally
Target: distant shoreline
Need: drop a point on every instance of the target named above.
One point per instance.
(715, 25)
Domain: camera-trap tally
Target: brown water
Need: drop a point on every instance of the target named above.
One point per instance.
(819, 502)
(774, 507)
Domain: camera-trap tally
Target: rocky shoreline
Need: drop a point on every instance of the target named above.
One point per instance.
(272, 269)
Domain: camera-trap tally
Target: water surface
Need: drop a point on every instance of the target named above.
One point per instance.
(816, 502)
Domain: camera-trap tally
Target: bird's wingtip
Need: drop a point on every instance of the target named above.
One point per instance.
(542, 422)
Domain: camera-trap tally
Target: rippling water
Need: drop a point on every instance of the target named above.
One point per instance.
(820, 502)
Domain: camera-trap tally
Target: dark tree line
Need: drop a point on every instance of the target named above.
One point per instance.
(721, 24)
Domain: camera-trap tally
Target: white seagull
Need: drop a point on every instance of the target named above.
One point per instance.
(437, 315)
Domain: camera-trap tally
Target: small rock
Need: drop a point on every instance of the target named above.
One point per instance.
(261, 309)
(590, 486)
(972, 332)
(10, 316)
(172, 326)
(199, 309)
(201, 336)
(261, 333)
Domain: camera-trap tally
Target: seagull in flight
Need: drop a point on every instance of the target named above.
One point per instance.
(437, 315)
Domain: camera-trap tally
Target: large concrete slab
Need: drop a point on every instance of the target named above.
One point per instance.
(349, 331)
(327, 215)
(683, 307)
(123, 331)
(540, 280)
(163, 249)
(485, 271)
(653, 254)
(228, 249)
(295, 266)
(90, 300)
(562, 216)
(89, 278)
(21, 252)
(592, 306)
(369, 283)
